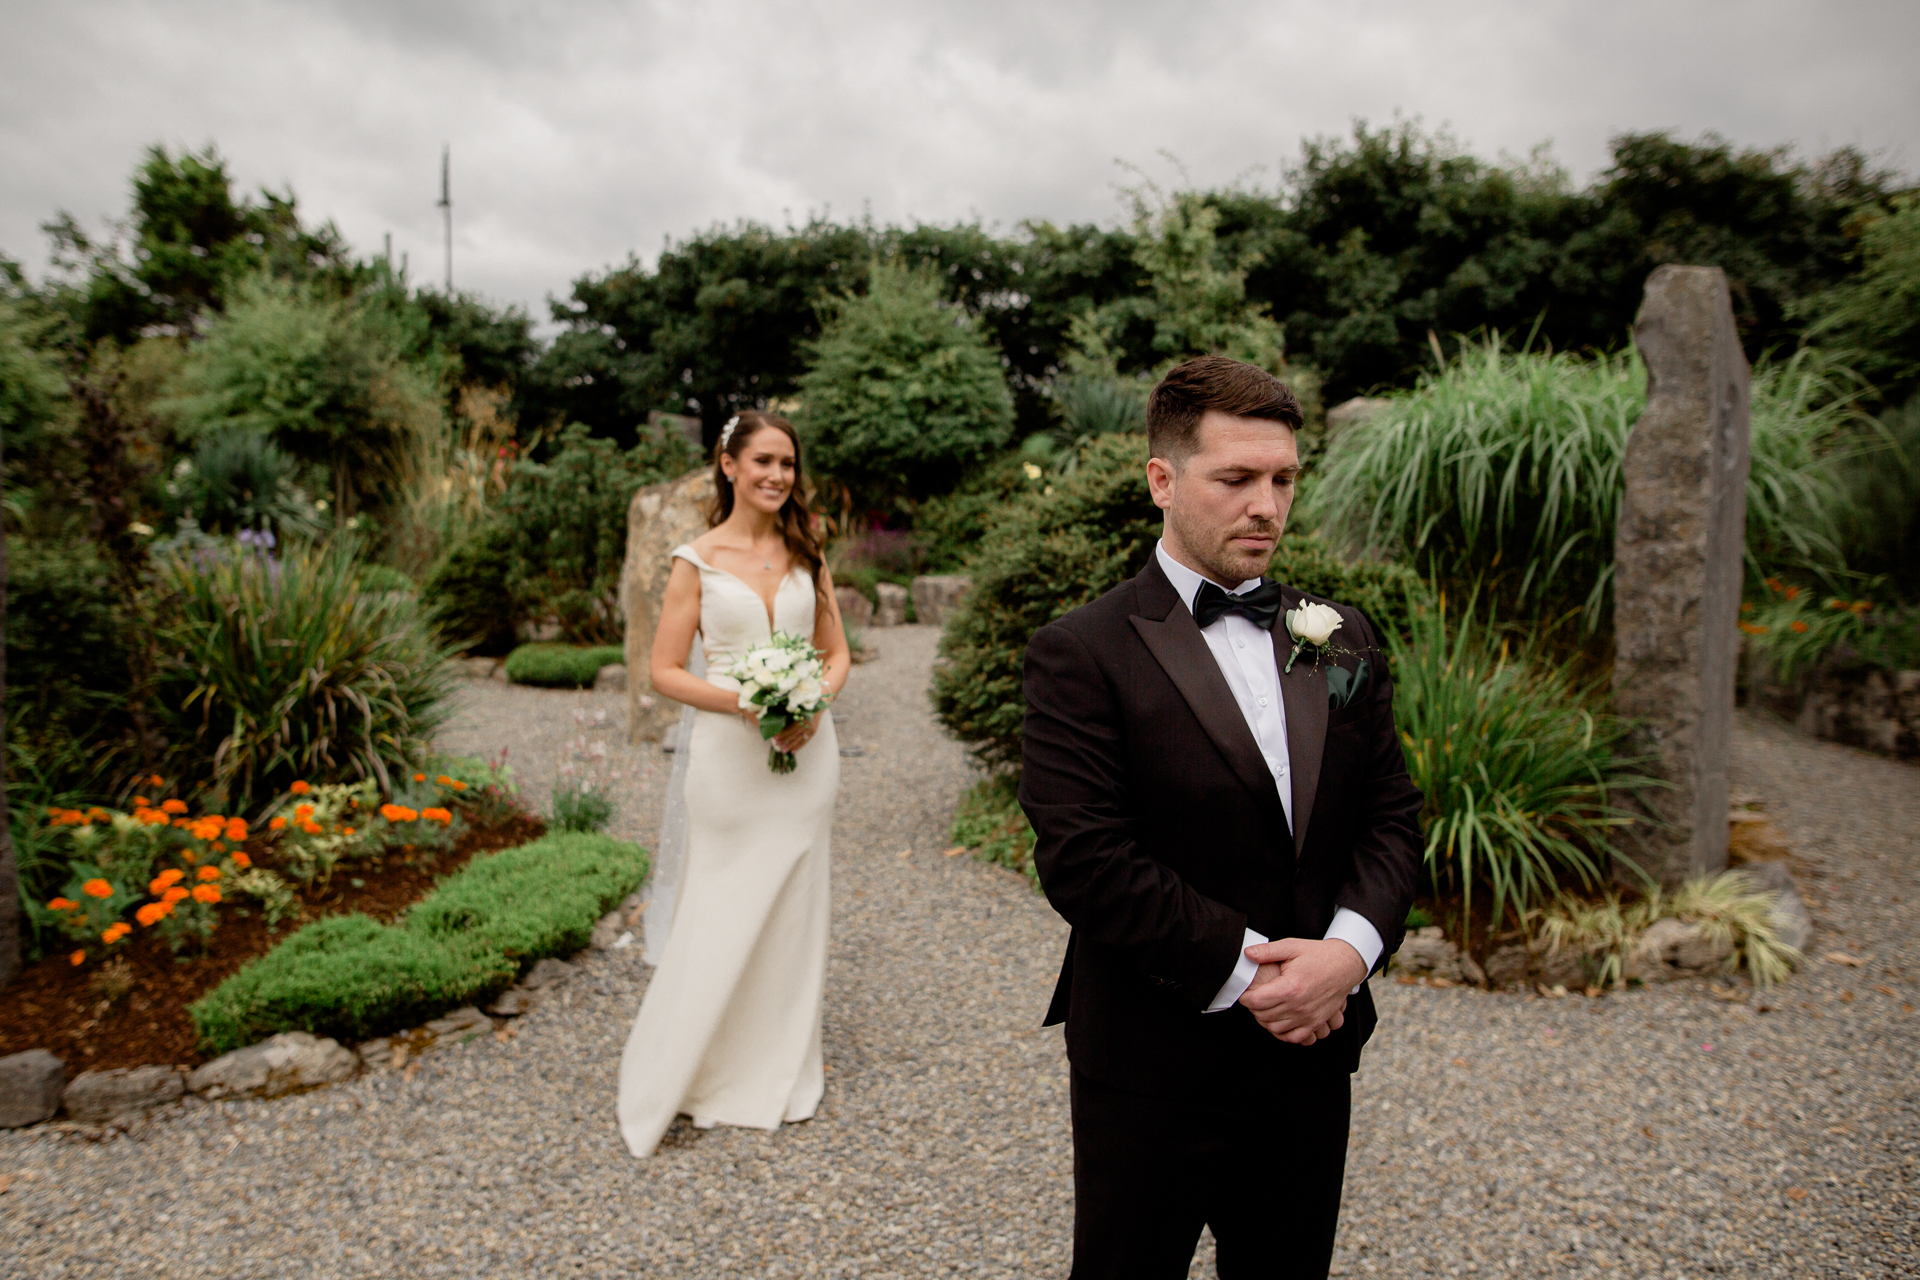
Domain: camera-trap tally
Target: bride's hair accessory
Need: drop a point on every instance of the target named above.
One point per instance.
(726, 432)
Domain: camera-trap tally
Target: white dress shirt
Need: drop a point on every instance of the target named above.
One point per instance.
(1244, 653)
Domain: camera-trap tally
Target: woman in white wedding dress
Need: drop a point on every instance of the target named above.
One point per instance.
(729, 1032)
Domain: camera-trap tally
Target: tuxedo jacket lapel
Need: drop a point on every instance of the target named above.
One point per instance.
(1303, 692)
(1174, 639)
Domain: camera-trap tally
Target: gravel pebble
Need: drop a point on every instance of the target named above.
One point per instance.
(1659, 1132)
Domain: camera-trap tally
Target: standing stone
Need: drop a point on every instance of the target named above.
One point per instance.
(660, 518)
(856, 611)
(30, 1087)
(1678, 568)
(892, 609)
(937, 596)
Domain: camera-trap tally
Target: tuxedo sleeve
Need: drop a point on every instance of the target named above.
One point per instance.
(1388, 851)
(1073, 786)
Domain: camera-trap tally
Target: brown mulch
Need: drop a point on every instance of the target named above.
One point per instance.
(56, 1006)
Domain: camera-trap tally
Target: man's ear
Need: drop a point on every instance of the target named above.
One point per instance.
(1160, 474)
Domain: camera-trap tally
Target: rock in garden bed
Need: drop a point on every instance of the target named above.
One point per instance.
(286, 1063)
(138, 1017)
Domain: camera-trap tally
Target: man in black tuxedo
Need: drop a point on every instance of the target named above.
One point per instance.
(1224, 817)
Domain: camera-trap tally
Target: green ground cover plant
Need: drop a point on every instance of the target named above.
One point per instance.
(992, 825)
(560, 666)
(351, 978)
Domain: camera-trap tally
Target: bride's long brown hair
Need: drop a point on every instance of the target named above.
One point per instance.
(795, 520)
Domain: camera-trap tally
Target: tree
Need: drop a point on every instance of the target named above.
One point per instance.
(904, 391)
(1873, 320)
(326, 379)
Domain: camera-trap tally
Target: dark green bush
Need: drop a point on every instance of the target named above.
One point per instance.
(239, 479)
(568, 523)
(560, 666)
(1069, 541)
(991, 823)
(466, 594)
(67, 657)
(904, 391)
(350, 977)
(949, 527)
(384, 577)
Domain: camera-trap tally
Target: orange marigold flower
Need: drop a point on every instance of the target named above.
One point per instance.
(157, 780)
(444, 780)
(54, 813)
(62, 904)
(442, 816)
(346, 831)
(156, 817)
(1753, 628)
(1791, 593)
(241, 860)
(1773, 584)
(153, 913)
(236, 829)
(301, 812)
(299, 788)
(217, 847)
(1798, 626)
(173, 895)
(116, 931)
(1862, 606)
(170, 876)
(189, 856)
(78, 957)
(97, 888)
(1746, 606)
(207, 893)
(1836, 604)
(419, 777)
(397, 813)
(459, 785)
(208, 828)
(98, 812)
(311, 827)
(276, 824)
(174, 806)
(141, 802)
(209, 873)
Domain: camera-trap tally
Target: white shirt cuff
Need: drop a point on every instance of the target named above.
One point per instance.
(1357, 932)
(1242, 976)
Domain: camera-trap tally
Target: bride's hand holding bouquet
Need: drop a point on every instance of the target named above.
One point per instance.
(782, 685)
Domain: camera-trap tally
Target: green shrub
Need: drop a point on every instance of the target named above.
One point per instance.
(1798, 630)
(466, 593)
(68, 650)
(568, 528)
(485, 789)
(287, 671)
(1387, 593)
(560, 666)
(351, 978)
(383, 577)
(239, 479)
(949, 527)
(1503, 471)
(1873, 318)
(1515, 761)
(991, 823)
(904, 391)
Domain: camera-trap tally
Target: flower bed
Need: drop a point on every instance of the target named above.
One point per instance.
(142, 947)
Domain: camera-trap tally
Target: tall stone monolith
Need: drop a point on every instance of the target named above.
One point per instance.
(660, 518)
(1678, 566)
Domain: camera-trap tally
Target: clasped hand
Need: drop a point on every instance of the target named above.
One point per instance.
(793, 738)
(1299, 993)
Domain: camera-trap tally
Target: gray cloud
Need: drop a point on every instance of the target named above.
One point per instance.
(585, 131)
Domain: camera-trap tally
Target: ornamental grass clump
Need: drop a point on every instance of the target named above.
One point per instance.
(1728, 907)
(1516, 762)
(288, 670)
(1503, 470)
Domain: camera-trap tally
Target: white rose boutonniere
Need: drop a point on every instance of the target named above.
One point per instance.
(1311, 626)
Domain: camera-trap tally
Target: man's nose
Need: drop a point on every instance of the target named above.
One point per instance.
(1265, 504)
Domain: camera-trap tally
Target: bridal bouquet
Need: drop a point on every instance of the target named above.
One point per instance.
(786, 679)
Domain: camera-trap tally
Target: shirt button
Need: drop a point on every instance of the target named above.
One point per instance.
(1263, 702)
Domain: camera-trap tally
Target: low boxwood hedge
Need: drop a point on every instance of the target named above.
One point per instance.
(351, 977)
(560, 666)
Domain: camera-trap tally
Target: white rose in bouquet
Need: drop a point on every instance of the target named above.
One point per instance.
(784, 680)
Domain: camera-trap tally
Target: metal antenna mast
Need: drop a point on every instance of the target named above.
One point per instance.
(446, 207)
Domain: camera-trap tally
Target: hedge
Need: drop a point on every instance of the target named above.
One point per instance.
(351, 977)
(560, 666)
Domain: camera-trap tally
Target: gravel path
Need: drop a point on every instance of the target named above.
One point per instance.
(1493, 1134)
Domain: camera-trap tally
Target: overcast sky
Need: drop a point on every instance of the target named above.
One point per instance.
(587, 130)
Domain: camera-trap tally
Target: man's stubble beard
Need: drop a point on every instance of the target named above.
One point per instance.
(1210, 552)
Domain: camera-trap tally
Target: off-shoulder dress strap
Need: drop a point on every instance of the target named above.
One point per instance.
(686, 552)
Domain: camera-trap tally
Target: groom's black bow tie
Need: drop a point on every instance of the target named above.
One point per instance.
(1259, 606)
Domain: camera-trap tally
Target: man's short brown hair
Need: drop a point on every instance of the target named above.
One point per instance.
(1191, 388)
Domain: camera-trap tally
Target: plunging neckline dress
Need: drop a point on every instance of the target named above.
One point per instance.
(729, 1032)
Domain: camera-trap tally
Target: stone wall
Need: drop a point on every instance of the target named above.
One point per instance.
(1859, 705)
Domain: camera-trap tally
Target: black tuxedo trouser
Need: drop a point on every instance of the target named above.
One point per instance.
(1263, 1171)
